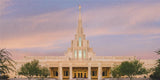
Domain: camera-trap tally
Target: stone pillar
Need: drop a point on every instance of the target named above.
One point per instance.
(70, 68)
(60, 72)
(99, 72)
(89, 71)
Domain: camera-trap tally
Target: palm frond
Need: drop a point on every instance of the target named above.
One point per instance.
(6, 62)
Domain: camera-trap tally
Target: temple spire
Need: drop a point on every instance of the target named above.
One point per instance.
(80, 28)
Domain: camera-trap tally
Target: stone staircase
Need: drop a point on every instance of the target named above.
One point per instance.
(79, 79)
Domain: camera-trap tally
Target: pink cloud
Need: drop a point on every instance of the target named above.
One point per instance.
(3, 5)
(123, 19)
(131, 13)
(18, 55)
(37, 40)
(108, 20)
(32, 36)
(49, 29)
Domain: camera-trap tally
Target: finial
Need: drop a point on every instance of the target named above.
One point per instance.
(80, 29)
(79, 6)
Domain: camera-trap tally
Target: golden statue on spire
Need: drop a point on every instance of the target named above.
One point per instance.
(79, 6)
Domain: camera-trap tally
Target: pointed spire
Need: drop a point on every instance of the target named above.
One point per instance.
(80, 17)
(80, 29)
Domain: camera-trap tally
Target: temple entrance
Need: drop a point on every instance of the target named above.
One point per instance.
(80, 72)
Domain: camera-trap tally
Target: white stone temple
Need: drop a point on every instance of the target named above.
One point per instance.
(80, 61)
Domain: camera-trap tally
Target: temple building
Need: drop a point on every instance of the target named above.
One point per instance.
(80, 61)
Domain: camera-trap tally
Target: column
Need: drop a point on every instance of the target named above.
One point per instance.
(89, 71)
(60, 72)
(99, 72)
(70, 72)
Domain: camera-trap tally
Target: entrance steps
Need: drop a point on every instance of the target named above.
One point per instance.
(79, 79)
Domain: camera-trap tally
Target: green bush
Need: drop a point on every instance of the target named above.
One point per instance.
(4, 77)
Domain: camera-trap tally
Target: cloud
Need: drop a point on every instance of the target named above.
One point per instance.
(47, 30)
(113, 20)
(35, 40)
(37, 31)
(124, 19)
(20, 54)
(3, 5)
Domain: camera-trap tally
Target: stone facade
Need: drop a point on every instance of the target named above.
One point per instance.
(80, 61)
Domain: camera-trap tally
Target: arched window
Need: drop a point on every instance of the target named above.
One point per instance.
(80, 54)
(75, 53)
(56, 73)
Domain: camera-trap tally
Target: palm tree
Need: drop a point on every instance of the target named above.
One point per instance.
(158, 52)
(156, 74)
(6, 62)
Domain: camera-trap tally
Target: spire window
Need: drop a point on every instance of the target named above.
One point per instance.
(75, 53)
(84, 54)
(80, 42)
(80, 54)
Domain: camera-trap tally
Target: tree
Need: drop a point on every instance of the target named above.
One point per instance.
(44, 72)
(116, 72)
(30, 69)
(132, 68)
(6, 62)
(156, 74)
(33, 68)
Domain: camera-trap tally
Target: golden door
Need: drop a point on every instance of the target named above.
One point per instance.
(80, 72)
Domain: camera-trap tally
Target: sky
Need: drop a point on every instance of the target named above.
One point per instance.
(113, 27)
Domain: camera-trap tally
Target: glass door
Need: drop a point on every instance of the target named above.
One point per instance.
(79, 74)
(75, 75)
(84, 75)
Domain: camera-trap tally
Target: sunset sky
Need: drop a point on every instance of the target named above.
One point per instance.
(113, 27)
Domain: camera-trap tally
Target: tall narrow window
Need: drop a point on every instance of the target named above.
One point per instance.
(56, 73)
(80, 42)
(84, 54)
(80, 54)
(75, 53)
